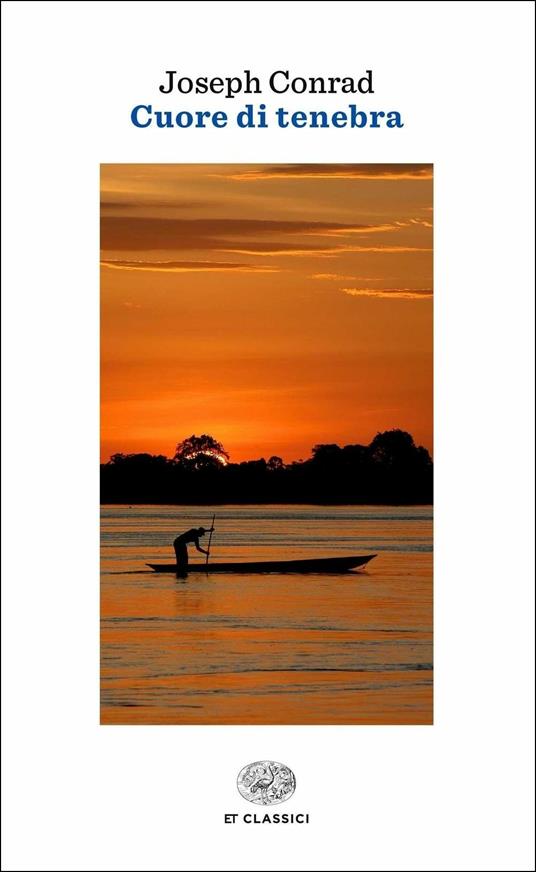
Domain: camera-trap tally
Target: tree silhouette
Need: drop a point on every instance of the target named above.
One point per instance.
(200, 453)
(275, 463)
(325, 455)
(390, 470)
(392, 448)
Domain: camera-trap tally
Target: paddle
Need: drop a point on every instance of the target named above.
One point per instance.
(210, 538)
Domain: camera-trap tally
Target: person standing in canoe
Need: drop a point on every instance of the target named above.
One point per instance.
(181, 546)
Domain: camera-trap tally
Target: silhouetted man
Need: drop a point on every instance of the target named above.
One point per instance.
(181, 550)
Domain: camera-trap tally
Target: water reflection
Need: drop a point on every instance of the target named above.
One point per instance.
(271, 648)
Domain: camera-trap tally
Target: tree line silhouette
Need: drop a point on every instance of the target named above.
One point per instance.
(390, 470)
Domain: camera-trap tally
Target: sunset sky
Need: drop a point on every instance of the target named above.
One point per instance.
(273, 307)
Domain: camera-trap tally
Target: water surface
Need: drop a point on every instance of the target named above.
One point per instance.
(274, 648)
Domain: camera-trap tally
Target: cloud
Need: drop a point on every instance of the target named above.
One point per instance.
(384, 248)
(275, 249)
(135, 233)
(139, 201)
(340, 278)
(421, 222)
(390, 293)
(237, 236)
(182, 266)
(348, 230)
(382, 172)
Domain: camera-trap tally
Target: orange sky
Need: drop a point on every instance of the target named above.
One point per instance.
(273, 307)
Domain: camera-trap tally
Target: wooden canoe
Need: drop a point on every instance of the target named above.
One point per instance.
(314, 564)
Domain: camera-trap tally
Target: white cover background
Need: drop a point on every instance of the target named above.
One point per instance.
(453, 796)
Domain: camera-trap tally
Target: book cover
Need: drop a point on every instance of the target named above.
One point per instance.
(268, 429)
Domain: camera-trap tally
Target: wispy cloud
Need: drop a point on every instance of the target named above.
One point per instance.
(135, 233)
(388, 248)
(383, 172)
(140, 202)
(182, 266)
(390, 293)
(260, 249)
(341, 278)
(349, 230)
(420, 222)
(243, 236)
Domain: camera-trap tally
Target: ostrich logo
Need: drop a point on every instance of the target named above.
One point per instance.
(266, 782)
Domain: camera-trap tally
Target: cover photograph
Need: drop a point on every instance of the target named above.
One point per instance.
(266, 443)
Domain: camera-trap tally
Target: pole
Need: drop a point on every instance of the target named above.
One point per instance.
(210, 538)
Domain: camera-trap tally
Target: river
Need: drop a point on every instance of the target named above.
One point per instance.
(353, 648)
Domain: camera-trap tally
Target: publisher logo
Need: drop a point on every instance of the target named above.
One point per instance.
(266, 782)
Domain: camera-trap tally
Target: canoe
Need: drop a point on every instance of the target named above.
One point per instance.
(315, 564)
